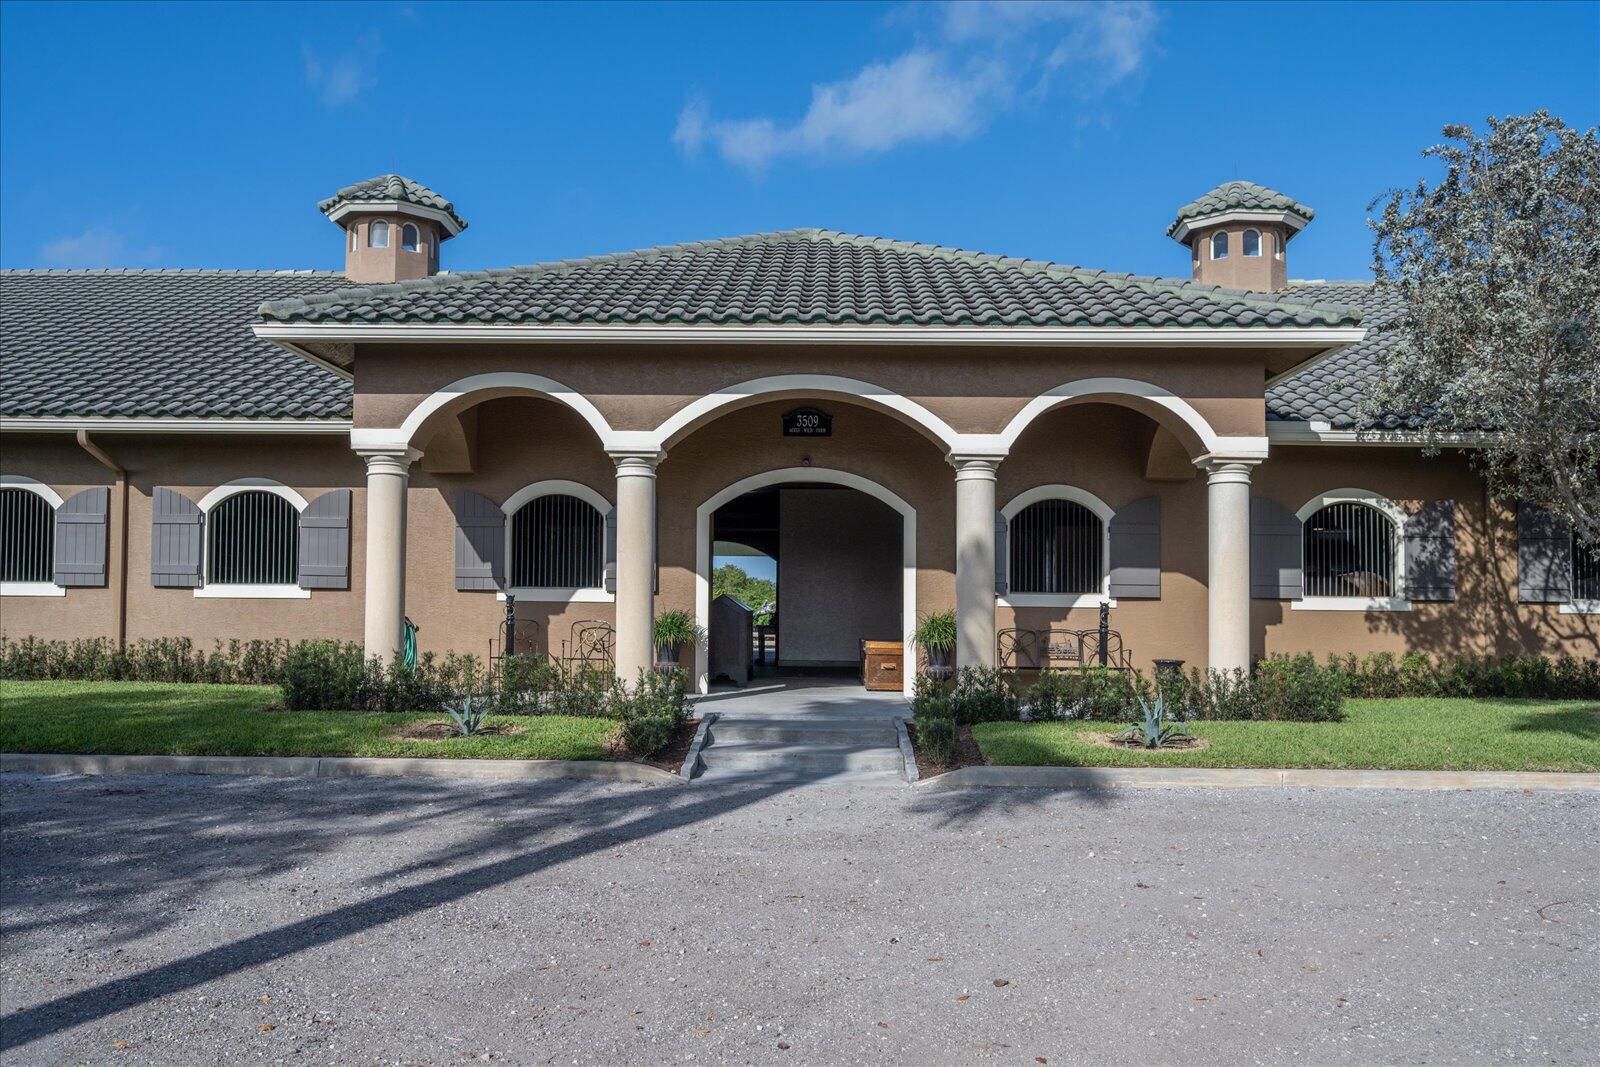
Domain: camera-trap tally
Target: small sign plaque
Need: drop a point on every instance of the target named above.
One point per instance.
(807, 422)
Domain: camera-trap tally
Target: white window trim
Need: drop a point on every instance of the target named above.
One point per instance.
(1211, 245)
(1581, 607)
(53, 498)
(1244, 249)
(1280, 245)
(421, 246)
(387, 237)
(231, 591)
(596, 594)
(1397, 520)
(1062, 600)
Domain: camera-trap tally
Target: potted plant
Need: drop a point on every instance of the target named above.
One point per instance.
(673, 630)
(936, 636)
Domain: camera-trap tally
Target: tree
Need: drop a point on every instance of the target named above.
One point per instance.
(755, 593)
(1497, 268)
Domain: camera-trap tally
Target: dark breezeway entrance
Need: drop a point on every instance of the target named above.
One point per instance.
(843, 561)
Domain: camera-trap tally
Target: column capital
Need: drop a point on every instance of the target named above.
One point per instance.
(389, 460)
(636, 462)
(1225, 470)
(975, 467)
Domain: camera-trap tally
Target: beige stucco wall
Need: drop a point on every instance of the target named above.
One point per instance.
(1265, 273)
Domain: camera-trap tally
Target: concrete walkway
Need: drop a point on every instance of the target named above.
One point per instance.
(804, 731)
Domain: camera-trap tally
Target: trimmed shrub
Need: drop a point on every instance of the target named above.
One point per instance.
(936, 736)
(980, 694)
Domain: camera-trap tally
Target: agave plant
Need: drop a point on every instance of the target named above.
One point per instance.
(1156, 731)
(468, 711)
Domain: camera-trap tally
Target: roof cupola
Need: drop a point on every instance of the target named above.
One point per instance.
(393, 228)
(1238, 235)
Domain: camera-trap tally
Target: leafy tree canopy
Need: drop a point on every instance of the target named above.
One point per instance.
(755, 593)
(1498, 268)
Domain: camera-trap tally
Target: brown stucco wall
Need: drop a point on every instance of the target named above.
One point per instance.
(1265, 273)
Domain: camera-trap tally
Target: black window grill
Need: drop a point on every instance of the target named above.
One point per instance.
(27, 536)
(1056, 546)
(1585, 572)
(557, 542)
(1349, 550)
(253, 538)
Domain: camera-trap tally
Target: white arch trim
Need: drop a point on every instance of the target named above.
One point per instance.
(22, 481)
(362, 439)
(1397, 525)
(1102, 510)
(874, 395)
(702, 554)
(221, 591)
(1213, 443)
(548, 594)
(51, 497)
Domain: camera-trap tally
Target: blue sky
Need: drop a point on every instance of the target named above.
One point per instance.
(203, 135)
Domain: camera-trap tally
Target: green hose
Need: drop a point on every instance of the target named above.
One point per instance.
(408, 647)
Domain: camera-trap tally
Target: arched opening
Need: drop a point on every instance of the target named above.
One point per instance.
(844, 554)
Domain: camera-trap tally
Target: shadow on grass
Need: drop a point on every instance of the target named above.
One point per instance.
(1581, 722)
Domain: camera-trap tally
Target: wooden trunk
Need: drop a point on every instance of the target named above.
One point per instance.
(883, 665)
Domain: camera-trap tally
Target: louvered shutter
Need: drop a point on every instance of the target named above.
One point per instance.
(611, 551)
(1135, 532)
(1002, 554)
(1544, 557)
(325, 542)
(480, 542)
(81, 528)
(177, 540)
(1275, 546)
(1430, 536)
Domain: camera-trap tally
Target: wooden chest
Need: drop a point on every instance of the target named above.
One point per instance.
(883, 665)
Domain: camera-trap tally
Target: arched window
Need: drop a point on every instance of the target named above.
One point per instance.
(377, 234)
(409, 238)
(1280, 243)
(27, 536)
(252, 538)
(1350, 548)
(557, 542)
(352, 238)
(1219, 245)
(1252, 242)
(1056, 546)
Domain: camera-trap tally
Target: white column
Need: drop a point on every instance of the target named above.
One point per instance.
(1228, 563)
(974, 560)
(636, 561)
(388, 478)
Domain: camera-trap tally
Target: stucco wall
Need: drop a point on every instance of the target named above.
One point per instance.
(839, 574)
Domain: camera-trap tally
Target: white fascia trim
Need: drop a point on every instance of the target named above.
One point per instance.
(1069, 601)
(1315, 432)
(395, 207)
(656, 333)
(543, 595)
(107, 424)
(1581, 607)
(31, 589)
(32, 485)
(1283, 218)
(217, 591)
(1351, 603)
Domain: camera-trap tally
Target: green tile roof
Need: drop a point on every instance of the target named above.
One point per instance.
(392, 187)
(1239, 196)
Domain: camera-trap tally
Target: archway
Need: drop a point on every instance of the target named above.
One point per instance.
(805, 475)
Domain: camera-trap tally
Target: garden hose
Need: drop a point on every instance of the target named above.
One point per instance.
(408, 646)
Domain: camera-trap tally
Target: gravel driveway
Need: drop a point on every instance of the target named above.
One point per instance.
(203, 920)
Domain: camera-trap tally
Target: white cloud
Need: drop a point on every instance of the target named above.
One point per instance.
(343, 78)
(976, 59)
(96, 247)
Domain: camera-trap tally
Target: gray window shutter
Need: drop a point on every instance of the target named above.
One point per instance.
(177, 538)
(1135, 533)
(480, 542)
(1275, 541)
(1431, 552)
(81, 523)
(325, 542)
(1002, 554)
(1544, 557)
(611, 551)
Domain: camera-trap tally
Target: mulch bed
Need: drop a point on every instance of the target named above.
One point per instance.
(966, 753)
(671, 758)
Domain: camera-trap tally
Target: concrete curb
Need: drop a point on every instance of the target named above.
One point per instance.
(691, 760)
(335, 767)
(909, 771)
(1255, 778)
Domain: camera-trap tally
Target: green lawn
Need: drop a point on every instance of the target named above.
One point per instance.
(1411, 734)
(147, 718)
